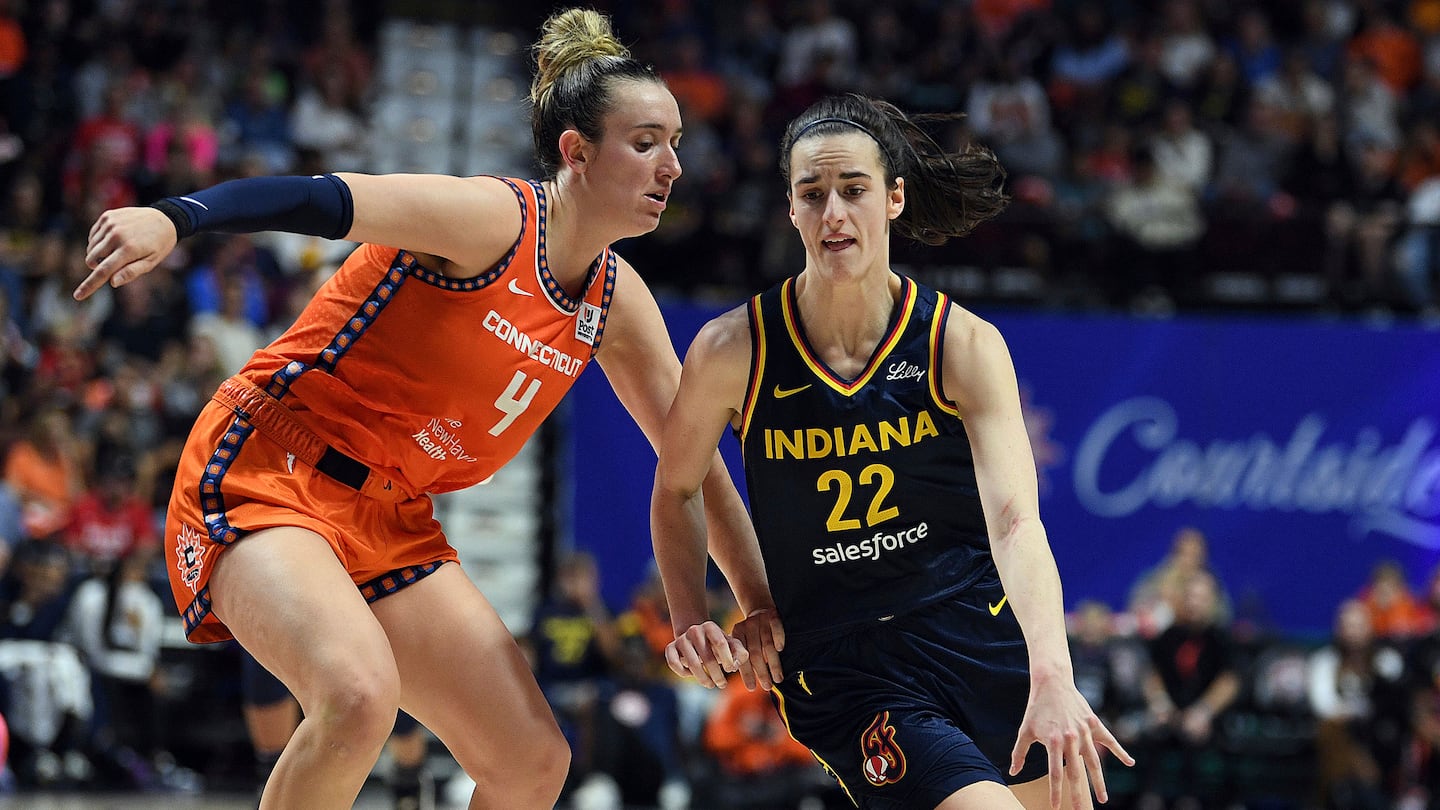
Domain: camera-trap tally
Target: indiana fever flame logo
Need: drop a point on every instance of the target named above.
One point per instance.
(884, 761)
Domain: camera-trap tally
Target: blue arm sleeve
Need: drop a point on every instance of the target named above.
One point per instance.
(319, 206)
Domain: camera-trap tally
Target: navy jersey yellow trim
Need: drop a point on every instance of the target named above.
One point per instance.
(937, 356)
(757, 363)
(863, 494)
(790, 307)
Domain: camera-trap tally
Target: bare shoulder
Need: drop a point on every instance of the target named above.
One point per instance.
(977, 368)
(724, 340)
(967, 335)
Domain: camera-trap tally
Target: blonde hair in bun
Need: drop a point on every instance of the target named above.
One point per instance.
(577, 60)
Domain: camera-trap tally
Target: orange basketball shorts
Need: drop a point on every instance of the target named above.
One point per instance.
(234, 479)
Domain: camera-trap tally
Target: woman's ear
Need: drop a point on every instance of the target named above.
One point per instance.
(896, 202)
(575, 150)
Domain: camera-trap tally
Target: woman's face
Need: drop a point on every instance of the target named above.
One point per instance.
(840, 205)
(635, 163)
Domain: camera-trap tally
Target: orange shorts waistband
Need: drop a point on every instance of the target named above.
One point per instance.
(271, 417)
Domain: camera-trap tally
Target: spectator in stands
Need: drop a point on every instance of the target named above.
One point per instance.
(18, 356)
(47, 686)
(1187, 47)
(229, 329)
(45, 470)
(115, 621)
(1183, 153)
(327, 118)
(1089, 58)
(819, 49)
(144, 322)
(761, 765)
(54, 314)
(1253, 46)
(1362, 227)
(110, 523)
(1156, 598)
(1370, 109)
(258, 122)
(1297, 94)
(11, 527)
(1395, 614)
(638, 748)
(1091, 651)
(575, 643)
(1157, 222)
(1194, 680)
(1393, 49)
(1136, 96)
(1222, 97)
(1009, 111)
(1357, 692)
(1417, 253)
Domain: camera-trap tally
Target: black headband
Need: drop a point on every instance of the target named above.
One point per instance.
(846, 121)
(818, 121)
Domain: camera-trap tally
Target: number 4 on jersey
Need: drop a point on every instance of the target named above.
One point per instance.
(512, 405)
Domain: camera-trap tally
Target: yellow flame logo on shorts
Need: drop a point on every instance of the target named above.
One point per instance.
(884, 762)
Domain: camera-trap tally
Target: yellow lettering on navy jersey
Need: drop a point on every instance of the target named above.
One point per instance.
(848, 440)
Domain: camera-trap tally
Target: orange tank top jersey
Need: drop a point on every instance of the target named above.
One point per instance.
(435, 382)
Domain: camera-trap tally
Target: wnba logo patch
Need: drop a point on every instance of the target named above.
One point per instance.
(190, 551)
(884, 761)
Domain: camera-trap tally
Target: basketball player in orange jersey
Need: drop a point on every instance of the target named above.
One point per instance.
(893, 492)
(300, 522)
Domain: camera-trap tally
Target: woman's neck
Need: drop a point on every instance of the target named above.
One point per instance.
(570, 245)
(846, 320)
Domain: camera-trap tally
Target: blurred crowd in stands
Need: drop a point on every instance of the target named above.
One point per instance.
(1156, 152)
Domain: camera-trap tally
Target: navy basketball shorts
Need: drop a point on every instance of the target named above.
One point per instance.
(904, 711)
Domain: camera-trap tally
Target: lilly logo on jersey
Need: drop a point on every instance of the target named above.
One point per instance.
(904, 370)
(871, 547)
(190, 551)
(884, 761)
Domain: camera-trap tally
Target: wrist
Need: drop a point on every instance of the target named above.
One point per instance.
(173, 211)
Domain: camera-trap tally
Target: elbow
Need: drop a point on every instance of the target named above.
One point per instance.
(1012, 529)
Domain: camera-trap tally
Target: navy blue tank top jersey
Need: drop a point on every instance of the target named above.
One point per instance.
(862, 491)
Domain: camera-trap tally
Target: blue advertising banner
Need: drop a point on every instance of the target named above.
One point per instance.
(1306, 452)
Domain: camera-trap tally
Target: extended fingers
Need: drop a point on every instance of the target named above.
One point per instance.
(1075, 768)
(719, 645)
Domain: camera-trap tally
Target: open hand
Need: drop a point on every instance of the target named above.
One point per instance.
(1059, 718)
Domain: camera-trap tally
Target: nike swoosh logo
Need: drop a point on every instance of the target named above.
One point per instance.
(995, 608)
(515, 288)
(781, 393)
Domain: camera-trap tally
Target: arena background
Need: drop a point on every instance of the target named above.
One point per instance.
(1218, 279)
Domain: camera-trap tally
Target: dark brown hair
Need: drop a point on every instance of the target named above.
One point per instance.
(946, 194)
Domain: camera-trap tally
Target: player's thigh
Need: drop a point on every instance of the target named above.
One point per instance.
(289, 601)
(982, 796)
(461, 672)
(1035, 795)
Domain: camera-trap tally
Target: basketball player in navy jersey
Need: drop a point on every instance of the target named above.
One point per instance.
(893, 491)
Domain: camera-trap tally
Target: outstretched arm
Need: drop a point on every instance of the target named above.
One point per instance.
(643, 369)
(429, 214)
(980, 378)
